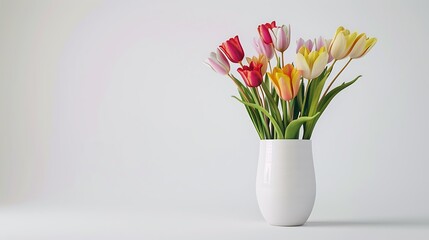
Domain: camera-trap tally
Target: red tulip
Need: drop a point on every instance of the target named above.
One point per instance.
(264, 31)
(251, 74)
(233, 49)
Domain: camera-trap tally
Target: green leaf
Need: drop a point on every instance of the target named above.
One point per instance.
(273, 107)
(255, 121)
(299, 100)
(256, 100)
(292, 130)
(328, 98)
(284, 111)
(242, 87)
(273, 120)
(323, 104)
(314, 93)
(308, 97)
(318, 85)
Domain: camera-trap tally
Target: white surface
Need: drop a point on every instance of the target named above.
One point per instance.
(285, 181)
(106, 104)
(53, 223)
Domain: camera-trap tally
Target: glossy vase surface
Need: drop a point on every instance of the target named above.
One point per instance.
(285, 181)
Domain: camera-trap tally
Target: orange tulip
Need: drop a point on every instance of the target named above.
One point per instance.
(286, 81)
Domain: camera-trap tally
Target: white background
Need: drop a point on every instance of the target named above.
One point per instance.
(112, 127)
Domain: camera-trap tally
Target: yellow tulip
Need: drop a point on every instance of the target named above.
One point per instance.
(362, 46)
(311, 63)
(343, 43)
(286, 81)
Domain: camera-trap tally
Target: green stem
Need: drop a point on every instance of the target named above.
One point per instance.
(335, 78)
(257, 101)
(256, 122)
(273, 107)
(284, 110)
(275, 53)
(263, 105)
(251, 111)
(238, 86)
(273, 120)
(305, 97)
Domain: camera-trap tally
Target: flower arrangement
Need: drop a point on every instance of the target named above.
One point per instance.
(283, 98)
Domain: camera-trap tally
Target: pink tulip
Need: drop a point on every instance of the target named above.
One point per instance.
(308, 44)
(280, 37)
(263, 48)
(264, 31)
(218, 62)
(321, 42)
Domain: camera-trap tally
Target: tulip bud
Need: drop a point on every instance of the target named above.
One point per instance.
(262, 59)
(263, 48)
(251, 74)
(312, 63)
(286, 81)
(342, 43)
(321, 42)
(233, 49)
(280, 37)
(218, 62)
(362, 46)
(264, 31)
(308, 44)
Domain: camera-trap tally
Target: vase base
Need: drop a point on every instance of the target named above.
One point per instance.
(286, 225)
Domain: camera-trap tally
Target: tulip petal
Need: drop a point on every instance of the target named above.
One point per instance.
(320, 42)
(233, 49)
(273, 35)
(358, 48)
(302, 65)
(319, 64)
(222, 59)
(273, 79)
(338, 48)
(295, 81)
(369, 44)
(285, 88)
(309, 45)
(281, 40)
(257, 46)
(216, 66)
(264, 32)
(299, 44)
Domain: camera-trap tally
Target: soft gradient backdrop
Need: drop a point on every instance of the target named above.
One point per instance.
(108, 105)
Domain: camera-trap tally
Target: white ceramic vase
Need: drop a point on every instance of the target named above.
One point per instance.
(285, 181)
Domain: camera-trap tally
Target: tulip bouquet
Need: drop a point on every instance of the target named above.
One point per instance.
(283, 98)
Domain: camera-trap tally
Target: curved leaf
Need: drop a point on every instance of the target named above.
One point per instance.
(328, 98)
(255, 121)
(323, 104)
(292, 130)
(273, 120)
(273, 107)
